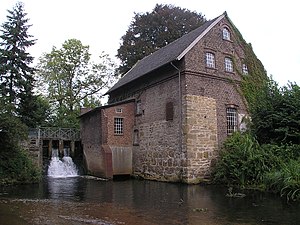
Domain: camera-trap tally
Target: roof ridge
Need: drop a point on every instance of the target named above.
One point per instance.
(214, 22)
(175, 50)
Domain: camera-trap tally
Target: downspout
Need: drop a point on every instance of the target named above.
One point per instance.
(180, 114)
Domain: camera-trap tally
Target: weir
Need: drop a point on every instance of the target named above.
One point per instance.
(62, 168)
(44, 140)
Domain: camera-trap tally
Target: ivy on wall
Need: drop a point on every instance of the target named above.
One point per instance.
(254, 85)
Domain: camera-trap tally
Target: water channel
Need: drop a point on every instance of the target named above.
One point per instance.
(85, 200)
(64, 198)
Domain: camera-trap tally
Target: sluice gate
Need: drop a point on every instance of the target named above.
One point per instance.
(43, 140)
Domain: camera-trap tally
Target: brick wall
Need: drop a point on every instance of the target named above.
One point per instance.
(125, 111)
(91, 139)
(120, 145)
(216, 83)
(101, 147)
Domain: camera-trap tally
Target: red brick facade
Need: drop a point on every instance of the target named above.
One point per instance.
(99, 140)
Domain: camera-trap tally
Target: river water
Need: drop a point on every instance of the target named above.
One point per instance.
(84, 200)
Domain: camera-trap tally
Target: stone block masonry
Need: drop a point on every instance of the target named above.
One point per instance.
(157, 157)
(200, 137)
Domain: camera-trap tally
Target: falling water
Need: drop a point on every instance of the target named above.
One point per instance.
(60, 168)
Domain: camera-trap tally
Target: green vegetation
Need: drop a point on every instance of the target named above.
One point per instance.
(72, 80)
(66, 79)
(268, 155)
(152, 30)
(19, 107)
(15, 165)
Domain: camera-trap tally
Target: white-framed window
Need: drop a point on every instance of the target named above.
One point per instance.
(119, 110)
(210, 60)
(118, 125)
(228, 64)
(231, 116)
(245, 69)
(226, 34)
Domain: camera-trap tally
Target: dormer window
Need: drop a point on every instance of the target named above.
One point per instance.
(210, 60)
(226, 34)
(245, 69)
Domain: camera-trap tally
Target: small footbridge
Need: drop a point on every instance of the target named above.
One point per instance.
(43, 140)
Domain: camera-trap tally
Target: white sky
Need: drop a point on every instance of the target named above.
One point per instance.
(270, 26)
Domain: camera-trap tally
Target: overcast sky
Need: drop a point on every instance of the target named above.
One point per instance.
(270, 26)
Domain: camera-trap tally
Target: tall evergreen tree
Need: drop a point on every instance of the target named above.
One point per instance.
(16, 74)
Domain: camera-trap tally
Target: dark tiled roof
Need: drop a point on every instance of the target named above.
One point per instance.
(161, 57)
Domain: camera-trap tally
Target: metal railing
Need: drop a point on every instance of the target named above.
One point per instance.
(54, 133)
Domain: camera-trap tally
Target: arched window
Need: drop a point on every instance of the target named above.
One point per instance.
(226, 34)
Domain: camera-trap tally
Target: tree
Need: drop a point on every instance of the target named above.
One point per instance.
(70, 77)
(277, 119)
(16, 79)
(150, 31)
(15, 164)
(39, 108)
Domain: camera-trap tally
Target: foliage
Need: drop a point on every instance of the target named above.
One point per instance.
(244, 162)
(15, 165)
(152, 30)
(38, 107)
(255, 85)
(18, 168)
(16, 73)
(278, 120)
(286, 180)
(70, 78)
(283, 151)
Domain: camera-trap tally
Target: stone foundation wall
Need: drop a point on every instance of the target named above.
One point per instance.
(199, 136)
(157, 157)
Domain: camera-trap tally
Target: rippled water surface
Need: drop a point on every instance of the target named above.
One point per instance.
(82, 200)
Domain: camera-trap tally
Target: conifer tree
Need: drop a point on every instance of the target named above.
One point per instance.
(16, 74)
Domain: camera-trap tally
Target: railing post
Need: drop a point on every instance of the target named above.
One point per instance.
(39, 136)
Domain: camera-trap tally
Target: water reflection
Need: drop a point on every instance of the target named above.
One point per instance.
(159, 203)
(62, 188)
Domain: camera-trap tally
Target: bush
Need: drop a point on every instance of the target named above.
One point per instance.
(18, 168)
(242, 161)
(15, 164)
(286, 180)
(283, 151)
